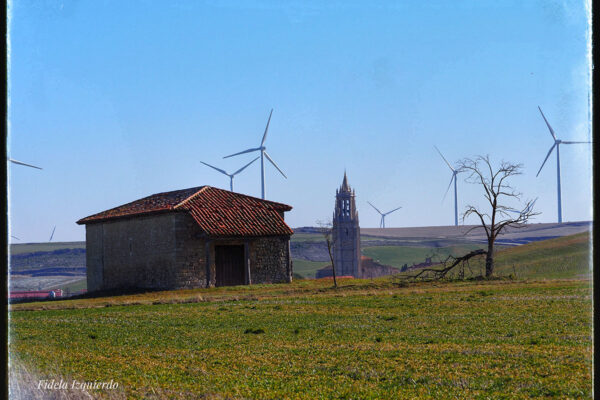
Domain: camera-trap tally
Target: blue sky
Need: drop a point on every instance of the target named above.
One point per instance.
(119, 100)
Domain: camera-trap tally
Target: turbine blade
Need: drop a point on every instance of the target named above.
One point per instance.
(52, 235)
(565, 142)
(14, 237)
(546, 159)
(275, 165)
(444, 158)
(549, 127)
(22, 163)
(389, 212)
(451, 179)
(376, 209)
(218, 169)
(266, 129)
(244, 167)
(243, 152)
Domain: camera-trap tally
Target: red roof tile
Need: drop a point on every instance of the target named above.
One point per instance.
(218, 212)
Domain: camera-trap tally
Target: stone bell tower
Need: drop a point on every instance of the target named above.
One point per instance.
(346, 232)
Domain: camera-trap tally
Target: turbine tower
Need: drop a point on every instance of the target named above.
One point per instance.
(453, 178)
(22, 163)
(557, 143)
(382, 221)
(263, 154)
(231, 176)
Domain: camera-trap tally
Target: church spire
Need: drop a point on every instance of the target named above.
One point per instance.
(346, 232)
(345, 186)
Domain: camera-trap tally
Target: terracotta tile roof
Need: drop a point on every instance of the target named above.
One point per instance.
(218, 212)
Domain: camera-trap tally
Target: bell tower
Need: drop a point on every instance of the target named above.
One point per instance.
(346, 232)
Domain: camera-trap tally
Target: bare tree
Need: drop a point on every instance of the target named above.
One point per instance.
(497, 191)
(326, 229)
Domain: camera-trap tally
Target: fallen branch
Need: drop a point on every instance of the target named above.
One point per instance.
(441, 273)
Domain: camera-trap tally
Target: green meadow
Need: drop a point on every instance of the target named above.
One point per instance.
(526, 337)
(397, 256)
(308, 269)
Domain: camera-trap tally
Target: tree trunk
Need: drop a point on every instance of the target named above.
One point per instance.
(329, 246)
(489, 259)
(333, 269)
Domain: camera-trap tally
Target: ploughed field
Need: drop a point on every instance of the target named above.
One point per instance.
(366, 339)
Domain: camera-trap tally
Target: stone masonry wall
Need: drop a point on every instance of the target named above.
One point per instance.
(270, 260)
(94, 253)
(190, 253)
(169, 251)
(137, 252)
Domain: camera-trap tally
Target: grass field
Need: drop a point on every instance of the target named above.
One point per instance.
(397, 256)
(308, 268)
(306, 340)
(75, 286)
(369, 339)
(565, 257)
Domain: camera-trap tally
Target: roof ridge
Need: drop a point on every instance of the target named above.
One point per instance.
(235, 193)
(176, 206)
(255, 198)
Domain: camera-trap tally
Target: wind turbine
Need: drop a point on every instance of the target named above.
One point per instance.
(52, 235)
(454, 173)
(557, 143)
(230, 175)
(382, 222)
(263, 154)
(22, 163)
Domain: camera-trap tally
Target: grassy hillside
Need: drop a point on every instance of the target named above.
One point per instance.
(73, 287)
(565, 257)
(305, 340)
(306, 268)
(396, 256)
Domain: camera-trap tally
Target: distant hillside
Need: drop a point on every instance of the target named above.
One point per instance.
(20, 248)
(562, 258)
(45, 260)
(512, 236)
(44, 266)
(370, 268)
(567, 257)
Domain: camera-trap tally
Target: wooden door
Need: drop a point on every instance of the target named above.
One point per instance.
(229, 265)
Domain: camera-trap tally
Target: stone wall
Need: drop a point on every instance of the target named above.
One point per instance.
(190, 253)
(270, 260)
(169, 251)
(94, 256)
(134, 253)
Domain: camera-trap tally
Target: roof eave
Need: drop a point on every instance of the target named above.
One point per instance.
(86, 220)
